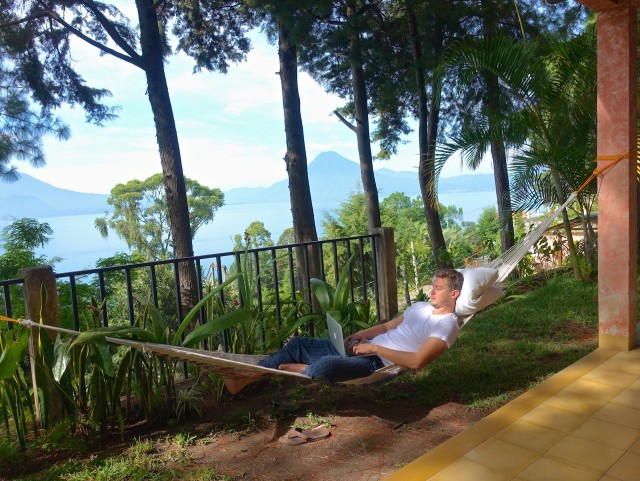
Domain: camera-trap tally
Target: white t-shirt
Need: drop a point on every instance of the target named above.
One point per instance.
(418, 325)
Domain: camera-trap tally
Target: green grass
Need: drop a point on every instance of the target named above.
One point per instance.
(141, 462)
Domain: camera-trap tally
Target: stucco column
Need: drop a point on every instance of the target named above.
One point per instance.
(617, 199)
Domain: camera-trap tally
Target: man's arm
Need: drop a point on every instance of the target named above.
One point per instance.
(430, 350)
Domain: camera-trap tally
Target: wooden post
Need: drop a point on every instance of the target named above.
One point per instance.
(387, 273)
(39, 286)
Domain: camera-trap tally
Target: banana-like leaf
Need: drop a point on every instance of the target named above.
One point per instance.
(215, 325)
(12, 354)
(324, 292)
(343, 286)
(158, 326)
(294, 327)
(121, 332)
(102, 356)
(197, 307)
(61, 357)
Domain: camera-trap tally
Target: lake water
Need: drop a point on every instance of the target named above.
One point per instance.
(80, 245)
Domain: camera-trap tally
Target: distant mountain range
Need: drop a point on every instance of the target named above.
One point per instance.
(331, 177)
(30, 197)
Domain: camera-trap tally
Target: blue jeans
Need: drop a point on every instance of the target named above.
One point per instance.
(324, 362)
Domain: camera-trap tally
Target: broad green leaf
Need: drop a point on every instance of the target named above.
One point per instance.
(11, 356)
(216, 325)
(61, 357)
(294, 327)
(102, 356)
(121, 332)
(158, 326)
(324, 293)
(196, 308)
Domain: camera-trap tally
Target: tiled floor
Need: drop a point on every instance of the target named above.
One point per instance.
(583, 424)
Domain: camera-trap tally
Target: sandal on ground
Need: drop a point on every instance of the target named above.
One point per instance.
(297, 436)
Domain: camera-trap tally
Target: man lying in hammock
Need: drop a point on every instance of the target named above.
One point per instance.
(412, 340)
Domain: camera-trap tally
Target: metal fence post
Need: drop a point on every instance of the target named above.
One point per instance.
(39, 286)
(387, 274)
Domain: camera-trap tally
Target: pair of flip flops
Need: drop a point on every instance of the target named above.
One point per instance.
(297, 436)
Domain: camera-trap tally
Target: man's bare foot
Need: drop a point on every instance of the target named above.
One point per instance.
(292, 367)
(236, 384)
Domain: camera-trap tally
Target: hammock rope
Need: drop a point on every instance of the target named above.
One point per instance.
(246, 365)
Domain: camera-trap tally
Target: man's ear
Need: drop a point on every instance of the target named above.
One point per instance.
(455, 293)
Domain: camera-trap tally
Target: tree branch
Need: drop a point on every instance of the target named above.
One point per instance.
(345, 121)
(134, 57)
(22, 20)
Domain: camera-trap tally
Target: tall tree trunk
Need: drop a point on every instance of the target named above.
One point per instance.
(498, 156)
(167, 138)
(503, 195)
(428, 119)
(304, 226)
(573, 253)
(362, 121)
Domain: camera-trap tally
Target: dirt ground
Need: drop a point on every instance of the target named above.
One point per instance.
(369, 440)
(374, 431)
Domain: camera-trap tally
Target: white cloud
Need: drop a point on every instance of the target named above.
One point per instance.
(230, 127)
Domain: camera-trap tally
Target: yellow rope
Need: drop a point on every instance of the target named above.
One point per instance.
(612, 159)
(9, 319)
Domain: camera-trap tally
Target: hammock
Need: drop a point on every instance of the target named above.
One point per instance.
(245, 365)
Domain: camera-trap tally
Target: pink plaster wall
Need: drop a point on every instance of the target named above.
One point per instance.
(617, 213)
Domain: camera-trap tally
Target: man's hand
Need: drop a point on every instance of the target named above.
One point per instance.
(365, 348)
(354, 339)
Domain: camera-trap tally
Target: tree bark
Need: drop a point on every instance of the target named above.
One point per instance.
(170, 159)
(428, 119)
(362, 121)
(498, 156)
(573, 254)
(503, 195)
(304, 226)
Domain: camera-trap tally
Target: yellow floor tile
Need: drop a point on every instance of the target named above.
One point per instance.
(554, 418)
(623, 415)
(502, 456)
(629, 356)
(595, 391)
(607, 433)
(465, 469)
(574, 403)
(606, 375)
(635, 386)
(546, 469)
(530, 435)
(629, 398)
(627, 469)
(619, 364)
(573, 450)
(582, 424)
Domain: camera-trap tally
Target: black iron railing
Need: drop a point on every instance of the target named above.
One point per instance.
(102, 293)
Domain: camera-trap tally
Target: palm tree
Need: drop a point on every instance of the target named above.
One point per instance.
(552, 85)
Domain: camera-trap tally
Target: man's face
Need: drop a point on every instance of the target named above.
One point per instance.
(441, 295)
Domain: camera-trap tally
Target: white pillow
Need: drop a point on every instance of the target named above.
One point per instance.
(477, 280)
(489, 296)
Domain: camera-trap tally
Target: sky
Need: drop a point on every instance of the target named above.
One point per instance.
(230, 126)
